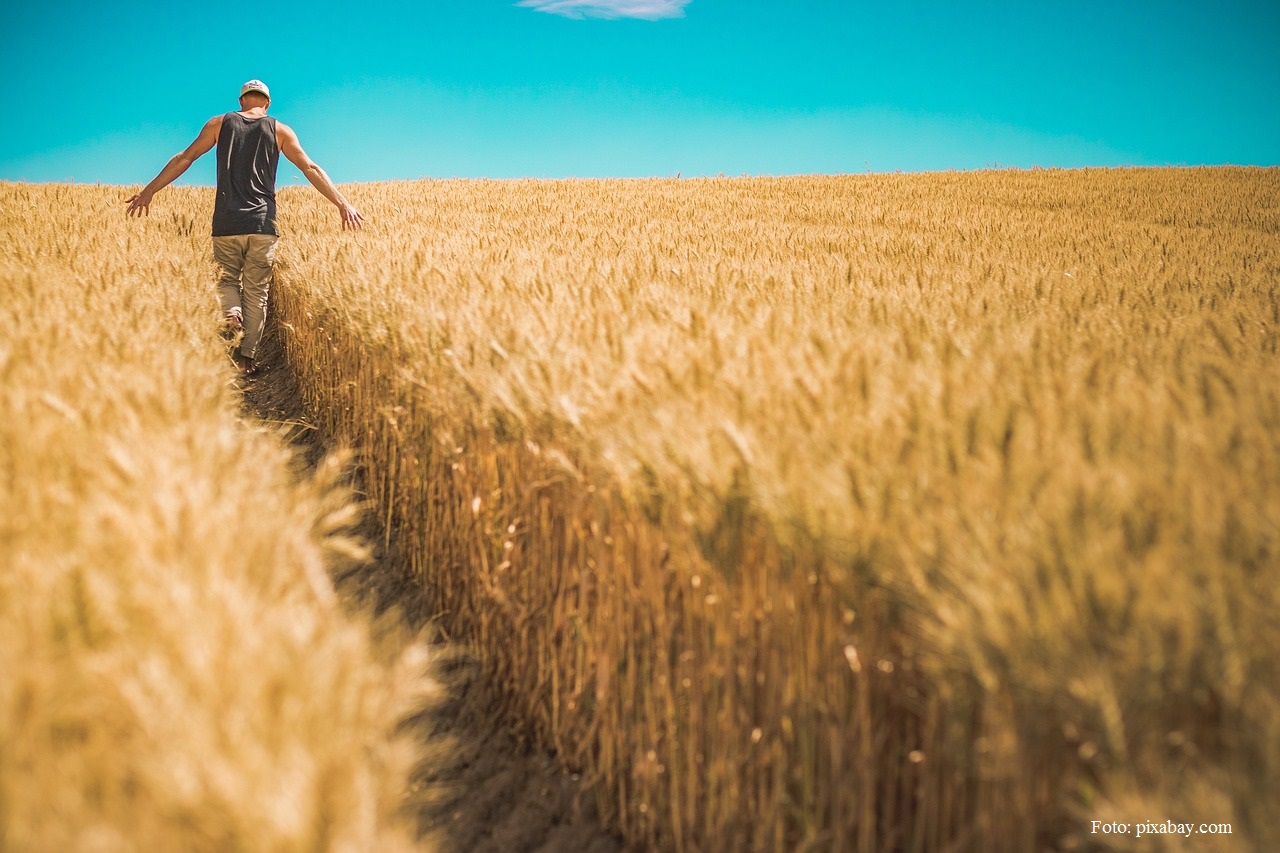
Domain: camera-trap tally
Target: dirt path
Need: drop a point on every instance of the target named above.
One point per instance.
(478, 792)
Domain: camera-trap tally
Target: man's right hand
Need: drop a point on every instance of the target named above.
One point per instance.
(139, 204)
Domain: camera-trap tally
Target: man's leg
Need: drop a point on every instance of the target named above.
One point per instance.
(259, 264)
(229, 254)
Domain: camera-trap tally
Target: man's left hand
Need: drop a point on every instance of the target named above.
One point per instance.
(351, 218)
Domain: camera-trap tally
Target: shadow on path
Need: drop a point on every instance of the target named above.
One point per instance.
(476, 790)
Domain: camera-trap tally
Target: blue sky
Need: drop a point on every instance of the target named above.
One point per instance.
(556, 88)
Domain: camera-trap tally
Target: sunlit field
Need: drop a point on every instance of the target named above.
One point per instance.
(176, 672)
(875, 512)
(883, 512)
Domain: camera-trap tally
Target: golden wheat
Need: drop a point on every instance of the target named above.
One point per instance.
(177, 672)
(877, 512)
(897, 512)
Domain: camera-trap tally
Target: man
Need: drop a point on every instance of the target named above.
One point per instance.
(244, 216)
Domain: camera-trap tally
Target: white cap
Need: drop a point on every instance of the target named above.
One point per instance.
(255, 86)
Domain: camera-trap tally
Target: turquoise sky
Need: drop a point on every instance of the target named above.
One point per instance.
(554, 88)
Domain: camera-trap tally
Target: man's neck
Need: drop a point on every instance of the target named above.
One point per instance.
(254, 112)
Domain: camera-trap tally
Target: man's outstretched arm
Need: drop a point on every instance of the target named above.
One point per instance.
(179, 163)
(290, 147)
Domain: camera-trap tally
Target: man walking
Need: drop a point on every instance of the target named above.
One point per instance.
(244, 215)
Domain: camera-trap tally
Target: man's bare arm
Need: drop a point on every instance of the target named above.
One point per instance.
(179, 163)
(292, 149)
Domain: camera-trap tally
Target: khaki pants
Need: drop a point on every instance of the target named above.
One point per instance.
(246, 261)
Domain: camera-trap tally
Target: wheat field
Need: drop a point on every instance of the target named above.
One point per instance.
(176, 671)
(866, 512)
(883, 512)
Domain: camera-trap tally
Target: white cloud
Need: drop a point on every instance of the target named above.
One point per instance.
(649, 10)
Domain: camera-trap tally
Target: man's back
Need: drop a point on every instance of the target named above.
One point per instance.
(248, 152)
(244, 213)
(246, 190)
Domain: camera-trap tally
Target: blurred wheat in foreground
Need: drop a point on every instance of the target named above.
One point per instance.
(897, 512)
(175, 672)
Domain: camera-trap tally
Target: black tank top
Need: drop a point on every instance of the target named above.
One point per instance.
(247, 158)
